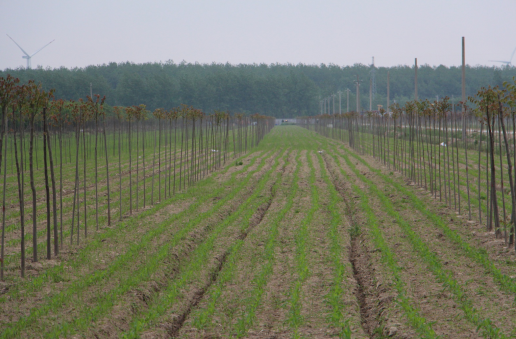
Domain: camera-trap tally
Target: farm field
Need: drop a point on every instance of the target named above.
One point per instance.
(301, 237)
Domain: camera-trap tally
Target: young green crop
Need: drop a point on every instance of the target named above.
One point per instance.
(418, 322)
(335, 296)
(295, 319)
(91, 212)
(489, 330)
(261, 278)
(199, 260)
(83, 283)
(204, 315)
(478, 255)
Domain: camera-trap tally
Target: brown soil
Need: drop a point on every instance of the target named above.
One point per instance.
(372, 292)
(479, 286)
(112, 249)
(120, 318)
(233, 297)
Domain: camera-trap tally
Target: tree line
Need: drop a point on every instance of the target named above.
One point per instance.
(279, 90)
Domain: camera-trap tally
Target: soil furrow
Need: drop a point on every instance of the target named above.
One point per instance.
(129, 272)
(366, 292)
(483, 292)
(175, 327)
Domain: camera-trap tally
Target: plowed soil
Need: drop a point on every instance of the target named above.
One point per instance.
(305, 238)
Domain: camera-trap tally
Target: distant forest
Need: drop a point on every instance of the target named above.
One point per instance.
(280, 90)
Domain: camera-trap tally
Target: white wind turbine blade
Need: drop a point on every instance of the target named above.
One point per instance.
(510, 60)
(27, 54)
(503, 62)
(42, 48)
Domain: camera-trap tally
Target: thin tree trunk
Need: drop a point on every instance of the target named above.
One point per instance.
(467, 164)
(61, 179)
(47, 189)
(76, 188)
(96, 171)
(107, 172)
(84, 176)
(153, 165)
(509, 163)
(33, 189)
(54, 196)
(5, 139)
(120, 167)
(479, 171)
(19, 175)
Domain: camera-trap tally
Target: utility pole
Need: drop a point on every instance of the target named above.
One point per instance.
(357, 82)
(464, 89)
(463, 74)
(91, 91)
(388, 93)
(333, 99)
(415, 81)
(370, 95)
(340, 106)
(347, 100)
(373, 79)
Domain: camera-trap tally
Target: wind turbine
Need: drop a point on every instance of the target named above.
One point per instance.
(507, 63)
(27, 56)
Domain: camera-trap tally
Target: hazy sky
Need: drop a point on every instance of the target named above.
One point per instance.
(311, 32)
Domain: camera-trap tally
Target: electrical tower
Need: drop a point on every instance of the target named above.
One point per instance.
(373, 80)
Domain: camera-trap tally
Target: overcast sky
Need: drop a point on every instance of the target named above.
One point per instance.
(267, 31)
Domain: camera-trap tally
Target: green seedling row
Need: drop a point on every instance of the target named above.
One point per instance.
(57, 300)
(199, 261)
(488, 329)
(261, 278)
(295, 318)
(91, 213)
(87, 315)
(141, 274)
(413, 314)
(336, 294)
(479, 255)
(204, 315)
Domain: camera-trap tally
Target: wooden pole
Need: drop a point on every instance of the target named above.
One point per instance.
(388, 92)
(415, 80)
(370, 95)
(358, 95)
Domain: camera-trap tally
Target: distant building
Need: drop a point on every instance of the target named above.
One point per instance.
(285, 122)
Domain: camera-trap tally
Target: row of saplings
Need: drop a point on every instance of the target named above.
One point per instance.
(429, 142)
(193, 143)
